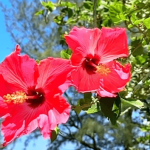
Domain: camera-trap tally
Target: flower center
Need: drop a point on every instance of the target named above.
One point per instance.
(92, 65)
(103, 70)
(34, 97)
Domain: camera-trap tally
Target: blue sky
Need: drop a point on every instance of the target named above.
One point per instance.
(5, 39)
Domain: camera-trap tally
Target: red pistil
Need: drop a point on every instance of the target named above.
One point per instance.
(34, 96)
(91, 63)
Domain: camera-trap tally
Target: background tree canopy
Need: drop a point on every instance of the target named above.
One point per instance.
(113, 123)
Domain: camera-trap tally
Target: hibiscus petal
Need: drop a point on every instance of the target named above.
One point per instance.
(83, 81)
(19, 70)
(82, 42)
(11, 131)
(3, 107)
(6, 87)
(53, 73)
(60, 112)
(17, 124)
(57, 114)
(104, 93)
(44, 125)
(112, 44)
(116, 80)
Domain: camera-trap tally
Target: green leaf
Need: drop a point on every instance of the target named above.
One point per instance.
(88, 97)
(141, 59)
(78, 109)
(111, 108)
(136, 47)
(133, 102)
(98, 3)
(66, 54)
(93, 109)
(145, 128)
(87, 4)
(117, 106)
(48, 5)
(39, 12)
(68, 4)
(85, 103)
(146, 22)
(70, 13)
(138, 21)
(54, 134)
(117, 12)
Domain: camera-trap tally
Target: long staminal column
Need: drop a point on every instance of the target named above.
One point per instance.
(19, 97)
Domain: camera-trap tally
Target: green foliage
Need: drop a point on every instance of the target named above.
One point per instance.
(146, 22)
(84, 104)
(133, 102)
(39, 12)
(93, 109)
(50, 6)
(117, 12)
(66, 54)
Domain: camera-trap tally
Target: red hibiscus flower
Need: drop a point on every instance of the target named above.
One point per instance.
(29, 95)
(94, 52)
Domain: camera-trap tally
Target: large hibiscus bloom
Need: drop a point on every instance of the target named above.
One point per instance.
(94, 51)
(29, 95)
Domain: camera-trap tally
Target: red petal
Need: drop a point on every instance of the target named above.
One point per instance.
(11, 131)
(116, 80)
(3, 107)
(57, 115)
(82, 42)
(112, 44)
(53, 73)
(104, 93)
(6, 87)
(19, 70)
(22, 120)
(85, 82)
(67, 83)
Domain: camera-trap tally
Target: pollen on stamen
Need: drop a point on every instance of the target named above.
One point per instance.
(17, 97)
(103, 70)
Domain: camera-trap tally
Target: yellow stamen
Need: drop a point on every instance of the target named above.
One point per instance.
(17, 97)
(103, 70)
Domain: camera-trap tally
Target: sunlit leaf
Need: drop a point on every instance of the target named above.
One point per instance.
(66, 54)
(146, 22)
(39, 12)
(93, 109)
(133, 102)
